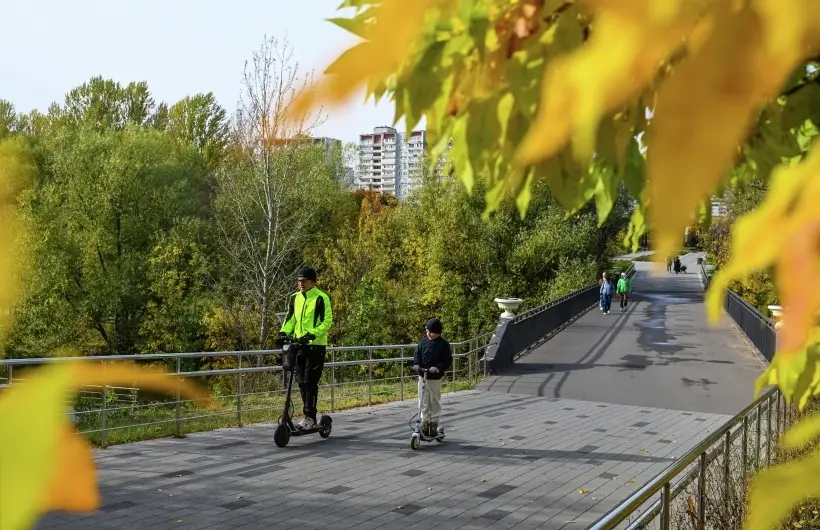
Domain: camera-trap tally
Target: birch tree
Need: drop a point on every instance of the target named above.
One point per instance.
(270, 194)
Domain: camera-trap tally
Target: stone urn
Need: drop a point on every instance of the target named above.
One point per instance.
(777, 315)
(509, 305)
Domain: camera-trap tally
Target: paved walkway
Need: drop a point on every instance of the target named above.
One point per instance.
(660, 353)
(559, 439)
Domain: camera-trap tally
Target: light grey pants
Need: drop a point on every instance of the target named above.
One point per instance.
(431, 403)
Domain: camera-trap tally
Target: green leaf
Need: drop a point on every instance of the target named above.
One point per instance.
(524, 71)
(635, 171)
(494, 197)
(421, 88)
(606, 190)
(483, 130)
(637, 228)
(505, 107)
(525, 195)
(479, 25)
(461, 162)
(802, 104)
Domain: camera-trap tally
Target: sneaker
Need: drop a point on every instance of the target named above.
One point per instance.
(306, 423)
(425, 428)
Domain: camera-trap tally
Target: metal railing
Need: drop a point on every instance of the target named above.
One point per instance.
(246, 387)
(757, 327)
(707, 487)
(529, 329)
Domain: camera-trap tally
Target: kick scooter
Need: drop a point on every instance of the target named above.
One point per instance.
(418, 436)
(286, 428)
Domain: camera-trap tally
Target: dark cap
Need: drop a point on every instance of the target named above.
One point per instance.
(307, 273)
(433, 325)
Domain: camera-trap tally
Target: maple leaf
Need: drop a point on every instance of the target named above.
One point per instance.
(52, 465)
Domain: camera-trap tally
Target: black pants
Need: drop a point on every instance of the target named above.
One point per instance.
(309, 366)
(623, 300)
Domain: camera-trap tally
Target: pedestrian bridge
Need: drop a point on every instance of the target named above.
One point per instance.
(554, 436)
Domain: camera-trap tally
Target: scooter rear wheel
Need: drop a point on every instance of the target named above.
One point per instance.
(327, 425)
(281, 436)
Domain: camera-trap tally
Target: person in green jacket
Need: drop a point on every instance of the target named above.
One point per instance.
(309, 318)
(623, 288)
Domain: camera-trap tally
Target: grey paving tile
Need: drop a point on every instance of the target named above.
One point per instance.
(477, 479)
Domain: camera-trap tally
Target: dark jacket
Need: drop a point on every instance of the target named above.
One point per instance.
(436, 353)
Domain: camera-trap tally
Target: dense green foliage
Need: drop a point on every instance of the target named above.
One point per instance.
(147, 233)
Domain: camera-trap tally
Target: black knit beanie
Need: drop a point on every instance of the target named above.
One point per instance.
(433, 325)
(307, 273)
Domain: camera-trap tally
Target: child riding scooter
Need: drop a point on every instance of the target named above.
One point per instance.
(434, 354)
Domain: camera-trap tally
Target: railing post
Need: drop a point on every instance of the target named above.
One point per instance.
(370, 377)
(666, 502)
(455, 364)
(769, 430)
(401, 381)
(470, 364)
(727, 469)
(104, 435)
(239, 394)
(11, 374)
(777, 417)
(744, 451)
(177, 406)
(332, 381)
(702, 493)
(757, 439)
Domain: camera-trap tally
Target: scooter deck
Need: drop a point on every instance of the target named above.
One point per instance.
(302, 432)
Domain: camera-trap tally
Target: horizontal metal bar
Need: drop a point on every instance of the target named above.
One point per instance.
(194, 355)
(645, 493)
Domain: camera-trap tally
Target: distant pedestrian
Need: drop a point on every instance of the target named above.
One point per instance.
(606, 291)
(677, 265)
(623, 289)
(668, 263)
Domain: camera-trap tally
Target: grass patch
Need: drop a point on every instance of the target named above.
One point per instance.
(620, 265)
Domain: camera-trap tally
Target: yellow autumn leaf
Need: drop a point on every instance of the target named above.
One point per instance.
(582, 87)
(777, 234)
(74, 487)
(387, 41)
(703, 113)
(800, 434)
(776, 491)
(34, 427)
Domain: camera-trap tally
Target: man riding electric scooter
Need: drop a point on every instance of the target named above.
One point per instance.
(309, 318)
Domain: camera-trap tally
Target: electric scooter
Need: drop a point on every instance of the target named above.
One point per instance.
(286, 428)
(418, 436)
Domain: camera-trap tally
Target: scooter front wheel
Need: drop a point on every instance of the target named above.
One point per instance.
(415, 442)
(281, 436)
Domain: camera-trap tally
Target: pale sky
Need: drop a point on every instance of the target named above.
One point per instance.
(180, 47)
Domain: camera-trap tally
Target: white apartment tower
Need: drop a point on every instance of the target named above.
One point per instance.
(413, 148)
(379, 160)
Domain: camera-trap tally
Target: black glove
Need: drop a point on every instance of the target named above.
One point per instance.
(433, 370)
(310, 336)
(281, 339)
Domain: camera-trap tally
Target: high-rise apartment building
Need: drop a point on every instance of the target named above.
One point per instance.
(413, 148)
(379, 160)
